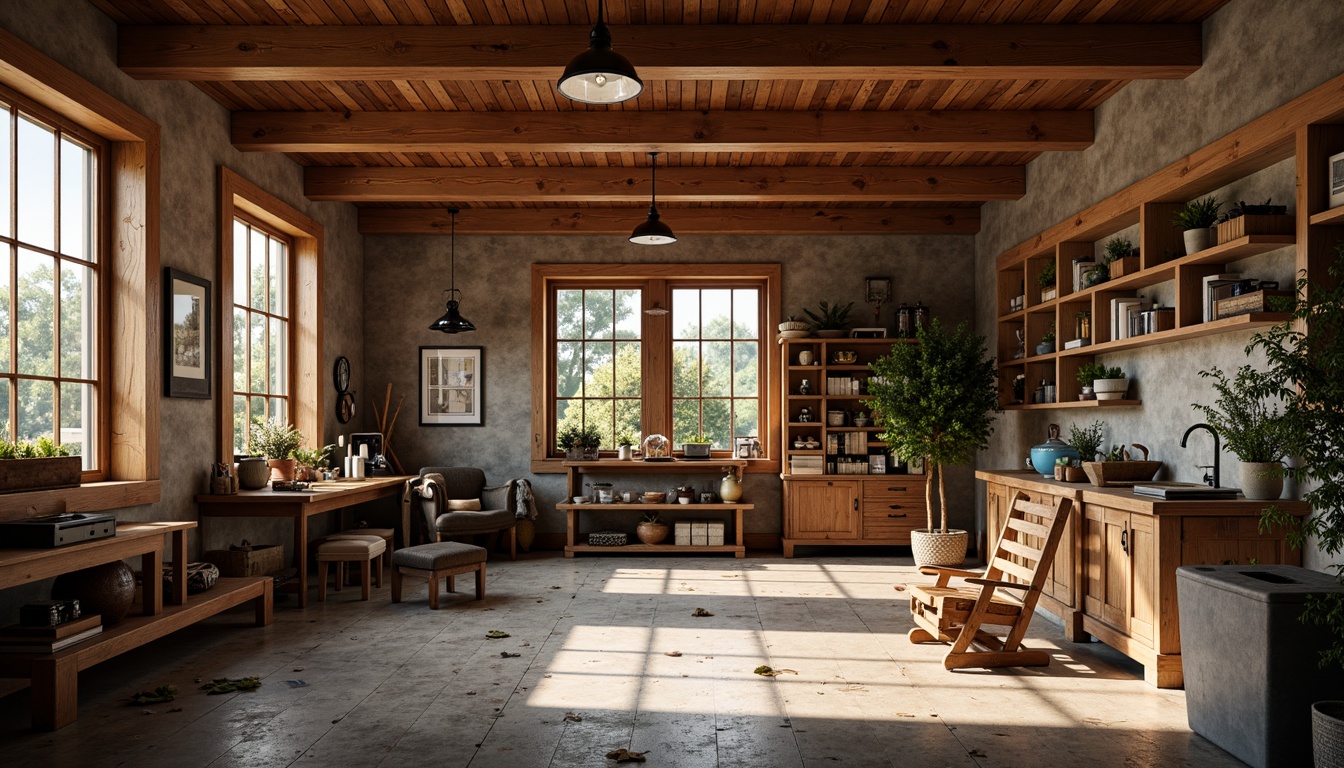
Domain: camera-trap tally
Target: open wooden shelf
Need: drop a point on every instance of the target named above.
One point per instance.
(629, 549)
(1333, 216)
(1074, 404)
(639, 506)
(1227, 324)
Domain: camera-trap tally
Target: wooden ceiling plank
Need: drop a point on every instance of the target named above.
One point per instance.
(686, 221)
(684, 52)
(675, 184)
(596, 131)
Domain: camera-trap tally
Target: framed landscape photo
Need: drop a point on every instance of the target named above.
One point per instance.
(186, 335)
(452, 386)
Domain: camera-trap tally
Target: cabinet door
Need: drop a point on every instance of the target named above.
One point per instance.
(1106, 569)
(1143, 580)
(822, 509)
(1093, 522)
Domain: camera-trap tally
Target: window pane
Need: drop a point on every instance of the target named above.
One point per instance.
(277, 410)
(6, 172)
(629, 311)
(37, 184)
(76, 200)
(5, 432)
(240, 350)
(717, 422)
(240, 239)
(37, 409)
(746, 418)
(717, 368)
(279, 345)
(685, 369)
(716, 312)
(78, 431)
(569, 314)
(256, 254)
(599, 317)
(628, 419)
(599, 373)
(598, 414)
(746, 313)
(569, 369)
(259, 374)
(628, 362)
(279, 279)
(257, 408)
(78, 322)
(685, 314)
(745, 367)
(568, 413)
(239, 424)
(5, 314)
(685, 420)
(36, 315)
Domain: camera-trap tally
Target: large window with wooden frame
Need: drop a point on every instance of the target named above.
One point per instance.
(261, 323)
(635, 350)
(51, 278)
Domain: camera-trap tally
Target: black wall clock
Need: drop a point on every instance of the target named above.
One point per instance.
(345, 407)
(340, 374)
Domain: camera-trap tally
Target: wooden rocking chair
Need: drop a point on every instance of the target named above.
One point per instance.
(958, 615)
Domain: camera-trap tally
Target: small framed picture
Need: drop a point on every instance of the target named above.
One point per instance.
(186, 335)
(452, 386)
(868, 333)
(877, 464)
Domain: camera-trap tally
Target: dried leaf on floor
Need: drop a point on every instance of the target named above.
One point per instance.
(672, 653)
(626, 756)
(495, 634)
(765, 670)
(507, 655)
(221, 685)
(469, 693)
(906, 714)
(554, 587)
(570, 717)
(161, 695)
(175, 709)
(977, 753)
(701, 613)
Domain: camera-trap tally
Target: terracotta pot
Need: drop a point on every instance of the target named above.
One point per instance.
(652, 533)
(938, 548)
(282, 469)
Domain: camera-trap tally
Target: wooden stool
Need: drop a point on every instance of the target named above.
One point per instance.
(388, 535)
(366, 549)
(434, 561)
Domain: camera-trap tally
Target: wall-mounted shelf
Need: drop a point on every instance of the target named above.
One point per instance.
(1333, 216)
(1074, 404)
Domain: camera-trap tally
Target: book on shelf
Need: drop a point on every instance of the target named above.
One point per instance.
(41, 646)
(1122, 309)
(57, 632)
(1217, 287)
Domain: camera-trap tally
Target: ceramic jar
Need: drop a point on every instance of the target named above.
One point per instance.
(730, 490)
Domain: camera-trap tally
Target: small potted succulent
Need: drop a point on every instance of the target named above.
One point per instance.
(1122, 258)
(277, 442)
(1195, 219)
(830, 321)
(652, 530)
(1046, 281)
(1088, 373)
(1108, 383)
(625, 446)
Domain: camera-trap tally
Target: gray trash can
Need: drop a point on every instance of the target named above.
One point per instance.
(1252, 669)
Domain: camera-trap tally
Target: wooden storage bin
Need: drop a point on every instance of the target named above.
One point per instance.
(263, 560)
(1125, 266)
(1256, 301)
(1255, 224)
(39, 474)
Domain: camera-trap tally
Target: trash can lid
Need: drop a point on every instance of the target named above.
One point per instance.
(1265, 583)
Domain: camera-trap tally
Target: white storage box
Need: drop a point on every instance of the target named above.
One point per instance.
(681, 532)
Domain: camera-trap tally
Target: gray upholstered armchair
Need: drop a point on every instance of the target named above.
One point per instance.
(498, 512)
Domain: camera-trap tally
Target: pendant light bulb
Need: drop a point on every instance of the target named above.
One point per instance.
(653, 231)
(452, 320)
(600, 75)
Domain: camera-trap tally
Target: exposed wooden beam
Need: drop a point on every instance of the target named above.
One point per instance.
(685, 221)
(665, 52)
(631, 185)
(632, 131)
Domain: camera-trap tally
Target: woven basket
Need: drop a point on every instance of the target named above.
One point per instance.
(938, 548)
(1327, 733)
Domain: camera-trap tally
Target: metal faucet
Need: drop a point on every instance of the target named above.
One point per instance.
(1210, 479)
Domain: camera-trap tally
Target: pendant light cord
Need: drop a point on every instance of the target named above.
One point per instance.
(653, 184)
(452, 254)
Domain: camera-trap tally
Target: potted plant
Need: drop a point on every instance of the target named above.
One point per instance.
(651, 530)
(936, 401)
(1251, 427)
(1046, 281)
(625, 446)
(1194, 219)
(1111, 384)
(1087, 442)
(1047, 344)
(1088, 373)
(38, 465)
(830, 321)
(277, 442)
(696, 447)
(1122, 258)
(579, 443)
(310, 460)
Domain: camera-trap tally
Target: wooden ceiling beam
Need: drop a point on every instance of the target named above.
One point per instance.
(684, 221)
(636, 131)
(799, 184)
(666, 52)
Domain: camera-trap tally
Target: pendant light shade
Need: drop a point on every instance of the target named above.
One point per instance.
(452, 320)
(600, 75)
(653, 231)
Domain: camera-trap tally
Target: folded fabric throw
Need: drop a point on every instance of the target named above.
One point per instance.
(526, 507)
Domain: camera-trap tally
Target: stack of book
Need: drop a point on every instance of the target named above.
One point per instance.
(40, 640)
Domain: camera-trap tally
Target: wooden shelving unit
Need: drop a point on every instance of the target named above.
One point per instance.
(1332, 216)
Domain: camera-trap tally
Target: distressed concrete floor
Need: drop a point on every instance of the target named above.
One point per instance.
(377, 684)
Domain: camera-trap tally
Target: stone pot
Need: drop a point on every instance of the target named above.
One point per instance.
(253, 473)
(1327, 733)
(1260, 481)
(938, 548)
(1196, 240)
(1110, 389)
(282, 469)
(652, 533)
(1045, 347)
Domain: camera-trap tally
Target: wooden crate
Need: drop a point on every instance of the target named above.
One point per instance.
(39, 474)
(1256, 301)
(263, 560)
(1255, 224)
(1125, 266)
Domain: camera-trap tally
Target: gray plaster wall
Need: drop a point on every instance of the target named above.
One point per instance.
(1258, 55)
(404, 276)
(195, 140)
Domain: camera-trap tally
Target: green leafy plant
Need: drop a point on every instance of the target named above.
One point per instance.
(1198, 214)
(936, 400)
(1097, 275)
(1117, 453)
(625, 438)
(1086, 441)
(652, 517)
(41, 448)
(1047, 276)
(273, 440)
(313, 457)
(1251, 425)
(830, 317)
(591, 437)
(1090, 372)
(699, 439)
(1303, 373)
(1048, 337)
(1117, 248)
(575, 437)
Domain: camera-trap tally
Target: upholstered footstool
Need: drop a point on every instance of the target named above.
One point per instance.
(434, 561)
(363, 549)
(388, 535)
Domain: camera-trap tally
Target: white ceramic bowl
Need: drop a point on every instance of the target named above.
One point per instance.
(580, 499)
(683, 500)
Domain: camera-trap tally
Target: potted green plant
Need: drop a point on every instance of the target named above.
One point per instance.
(936, 401)
(277, 442)
(625, 446)
(1047, 344)
(1046, 281)
(1122, 258)
(310, 460)
(1251, 426)
(830, 321)
(1195, 219)
(1112, 384)
(1086, 441)
(697, 447)
(1087, 373)
(579, 443)
(651, 530)
(38, 465)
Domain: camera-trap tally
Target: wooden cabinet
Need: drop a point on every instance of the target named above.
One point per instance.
(827, 509)
(1114, 575)
(862, 510)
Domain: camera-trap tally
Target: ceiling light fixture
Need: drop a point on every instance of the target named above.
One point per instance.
(600, 75)
(452, 320)
(653, 231)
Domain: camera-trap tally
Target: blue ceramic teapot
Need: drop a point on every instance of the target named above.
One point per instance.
(1043, 456)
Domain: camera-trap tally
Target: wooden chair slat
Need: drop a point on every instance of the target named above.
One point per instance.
(1033, 529)
(1021, 550)
(1027, 575)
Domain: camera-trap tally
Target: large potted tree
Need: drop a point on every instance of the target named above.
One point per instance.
(936, 401)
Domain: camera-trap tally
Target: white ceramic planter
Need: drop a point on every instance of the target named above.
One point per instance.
(938, 548)
(1259, 481)
(1110, 389)
(1197, 240)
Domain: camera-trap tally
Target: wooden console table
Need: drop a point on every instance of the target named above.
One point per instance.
(55, 677)
(324, 497)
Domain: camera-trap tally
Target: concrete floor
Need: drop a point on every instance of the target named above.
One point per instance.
(351, 683)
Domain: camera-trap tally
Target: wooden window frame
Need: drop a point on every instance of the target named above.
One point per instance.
(226, 319)
(241, 199)
(131, 272)
(656, 332)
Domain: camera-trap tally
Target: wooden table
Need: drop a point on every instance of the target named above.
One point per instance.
(55, 676)
(322, 498)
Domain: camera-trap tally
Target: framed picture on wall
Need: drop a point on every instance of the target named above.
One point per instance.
(452, 386)
(186, 335)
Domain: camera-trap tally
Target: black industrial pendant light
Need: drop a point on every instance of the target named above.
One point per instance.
(600, 75)
(653, 231)
(452, 320)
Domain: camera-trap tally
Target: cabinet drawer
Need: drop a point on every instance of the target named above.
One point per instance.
(882, 522)
(909, 488)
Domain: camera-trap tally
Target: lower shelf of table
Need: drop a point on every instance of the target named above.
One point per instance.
(650, 549)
